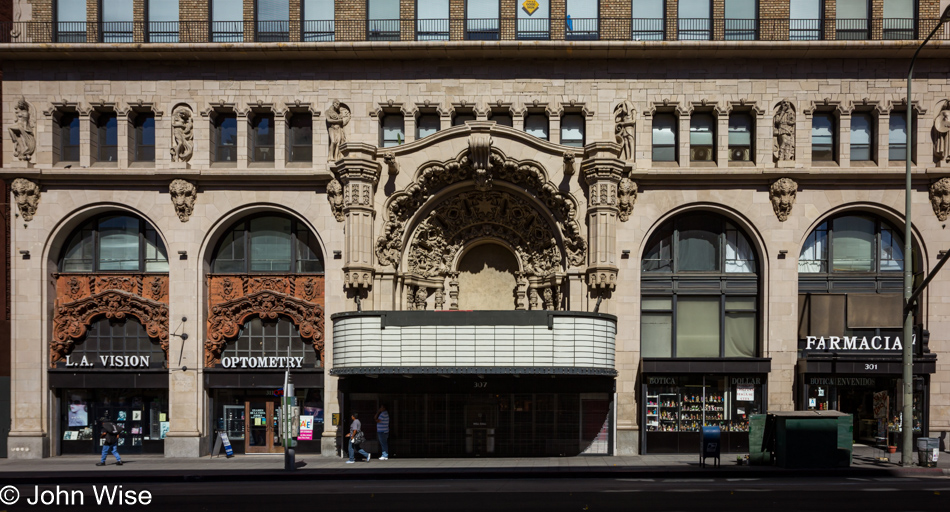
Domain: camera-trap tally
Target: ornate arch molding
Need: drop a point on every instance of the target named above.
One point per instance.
(481, 165)
(235, 298)
(82, 298)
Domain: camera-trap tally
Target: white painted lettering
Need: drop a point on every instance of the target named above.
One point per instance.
(876, 343)
(851, 343)
(864, 344)
(810, 342)
(834, 343)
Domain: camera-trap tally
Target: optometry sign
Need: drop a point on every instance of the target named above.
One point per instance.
(262, 362)
(853, 344)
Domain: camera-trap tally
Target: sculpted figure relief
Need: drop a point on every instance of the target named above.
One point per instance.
(783, 145)
(183, 194)
(338, 116)
(335, 196)
(941, 134)
(782, 193)
(27, 194)
(183, 134)
(625, 127)
(627, 197)
(940, 198)
(23, 131)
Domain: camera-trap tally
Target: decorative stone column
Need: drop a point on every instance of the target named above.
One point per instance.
(602, 169)
(358, 173)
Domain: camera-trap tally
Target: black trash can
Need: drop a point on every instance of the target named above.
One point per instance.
(928, 448)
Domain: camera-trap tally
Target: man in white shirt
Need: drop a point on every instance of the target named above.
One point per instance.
(382, 430)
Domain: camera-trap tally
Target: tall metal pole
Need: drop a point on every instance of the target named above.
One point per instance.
(907, 375)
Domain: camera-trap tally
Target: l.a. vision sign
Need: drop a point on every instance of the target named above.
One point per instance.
(853, 344)
(108, 362)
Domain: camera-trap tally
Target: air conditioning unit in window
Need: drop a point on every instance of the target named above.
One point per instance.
(700, 154)
(740, 154)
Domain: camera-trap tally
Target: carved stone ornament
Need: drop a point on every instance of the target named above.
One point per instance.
(235, 298)
(391, 164)
(941, 134)
(940, 198)
(783, 139)
(782, 194)
(625, 127)
(183, 194)
(81, 298)
(626, 198)
(569, 163)
(27, 195)
(183, 134)
(338, 116)
(23, 131)
(433, 177)
(479, 149)
(335, 197)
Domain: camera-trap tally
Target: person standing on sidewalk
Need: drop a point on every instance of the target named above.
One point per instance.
(382, 430)
(356, 437)
(110, 431)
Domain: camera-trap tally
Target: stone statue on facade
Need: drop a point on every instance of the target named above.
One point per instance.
(183, 134)
(783, 141)
(183, 194)
(782, 194)
(23, 131)
(625, 127)
(941, 134)
(335, 197)
(338, 116)
(626, 197)
(940, 198)
(27, 195)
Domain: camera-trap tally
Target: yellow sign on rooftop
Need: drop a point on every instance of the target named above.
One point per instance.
(530, 6)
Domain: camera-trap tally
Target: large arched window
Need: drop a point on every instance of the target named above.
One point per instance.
(268, 243)
(266, 339)
(114, 243)
(852, 244)
(699, 290)
(116, 343)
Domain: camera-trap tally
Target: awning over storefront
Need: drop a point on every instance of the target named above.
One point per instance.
(109, 380)
(235, 379)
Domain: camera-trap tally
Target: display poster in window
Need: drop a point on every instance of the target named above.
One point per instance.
(880, 404)
(306, 429)
(745, 393)
(78, 412)
(164, 429)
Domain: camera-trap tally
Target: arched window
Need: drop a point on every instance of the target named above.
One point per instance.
(699, 290)
(116, 343)
(268, 243)
(114, 243)
(852, 243)
(267, 339)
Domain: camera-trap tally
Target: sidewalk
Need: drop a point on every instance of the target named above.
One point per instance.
(264, 467)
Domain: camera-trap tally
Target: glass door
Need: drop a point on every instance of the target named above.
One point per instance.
(260, 427)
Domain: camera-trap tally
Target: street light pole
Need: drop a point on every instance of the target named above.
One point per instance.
(907, 419)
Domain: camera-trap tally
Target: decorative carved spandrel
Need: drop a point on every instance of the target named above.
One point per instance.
(940, 198)
(782, 194)
(27, 195)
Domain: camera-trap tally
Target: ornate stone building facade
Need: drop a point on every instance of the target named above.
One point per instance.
(592, 243)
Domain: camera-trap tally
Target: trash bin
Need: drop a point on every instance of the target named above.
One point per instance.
(928, 449)
(709, 445)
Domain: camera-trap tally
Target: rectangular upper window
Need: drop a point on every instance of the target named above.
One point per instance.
(227, 21)
(702, 138)
(273, 21)
(224, 134)
(648, 18)
(68, 137)
(572, 130)
(740, 22)
(117, 21)
(804, 22)
(851, 19)
(481, 20)
(318, 20)
(824, 137)
(536, 24)
(432, 20)
(695, 20)
(262, 138)
(71, 21)
(897, 137)
(107, 137)
(427, 124)
(664, 138)
(162, 21)
(383, 24)
(741, 130)
(300, 137)
(537, 125)
(143, 126)
(582, 21)
(393, 130)
(900, 19)
(862, 137)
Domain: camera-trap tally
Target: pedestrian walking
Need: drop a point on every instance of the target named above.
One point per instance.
(110, 434)
(382, 430)
(356, 438)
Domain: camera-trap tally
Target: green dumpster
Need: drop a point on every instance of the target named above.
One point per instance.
(810, 439)
(759, 453)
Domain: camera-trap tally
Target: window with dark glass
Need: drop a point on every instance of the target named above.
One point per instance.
(462, 116)
(897, 137)
(481, 20)
(111, 243)
(262, 138)
(427, 124)
(583, 20)
(300, 137)
(224, 137)
(664, 138)
(162, 21)
(383, 22)
(695, 20)
(107, 137)
(824, 137)
(572, 130)
(318, 20)
(118, 337)
(852, 243)
(265, 338)
(648, 20)
(71, 21)
(268, 244)
(393, 130)
(502, 117)
(227, 21)
(143, 127)
(741, 136)
(851, 19)
(117, 21)
(534, 24)
(862, 137)
(741, 20)
(682, 313)
(805, 20)
(432, 20)
(537, 124)
(68, 137)
(900, 19)
(702, 138)
(273, 21)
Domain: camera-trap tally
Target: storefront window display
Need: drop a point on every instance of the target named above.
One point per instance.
(141, 414)
(249, 418)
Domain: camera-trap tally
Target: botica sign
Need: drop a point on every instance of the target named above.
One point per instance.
(854, 344)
